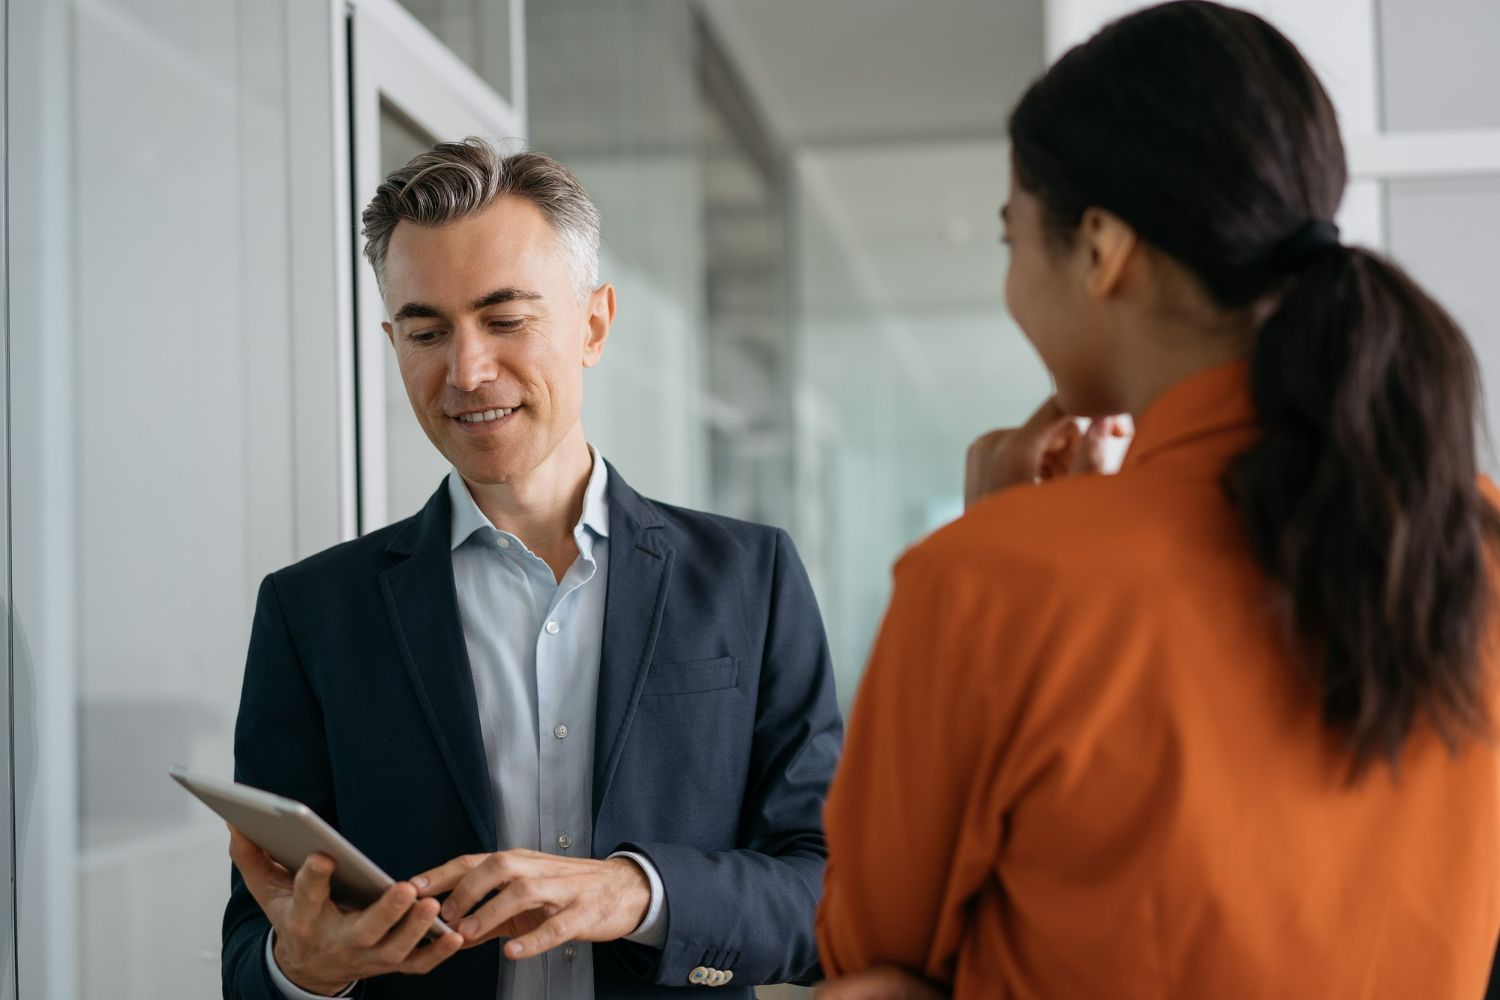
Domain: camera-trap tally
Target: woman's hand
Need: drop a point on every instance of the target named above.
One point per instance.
(883, 982)
(1049, 445)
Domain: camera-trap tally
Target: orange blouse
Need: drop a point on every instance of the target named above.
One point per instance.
(1082, 764)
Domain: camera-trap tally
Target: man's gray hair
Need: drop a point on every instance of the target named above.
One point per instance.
(454, 180)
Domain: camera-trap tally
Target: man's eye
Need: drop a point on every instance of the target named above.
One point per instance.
(424, 336)
(505, 324)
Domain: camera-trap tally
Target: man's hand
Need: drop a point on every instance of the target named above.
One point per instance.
(542, 900)
(883, 982)
(320, 947)
(1049, 445)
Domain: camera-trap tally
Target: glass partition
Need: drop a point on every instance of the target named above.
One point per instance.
(151, 469)
(747, 343)
(835, 307)
(8, 971)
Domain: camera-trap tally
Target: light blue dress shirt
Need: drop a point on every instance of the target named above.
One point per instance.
(534, 646)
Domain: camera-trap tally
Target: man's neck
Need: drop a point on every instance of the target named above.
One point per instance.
(542, 509)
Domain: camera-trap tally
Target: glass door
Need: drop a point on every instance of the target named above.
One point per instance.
(409, 89)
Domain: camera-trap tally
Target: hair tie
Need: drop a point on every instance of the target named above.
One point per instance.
(1312, 236)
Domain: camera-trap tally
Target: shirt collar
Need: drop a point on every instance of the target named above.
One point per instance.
(1209, 404)
(595, 498)
(467, 518)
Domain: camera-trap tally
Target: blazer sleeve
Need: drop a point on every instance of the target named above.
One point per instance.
(751, 910)
(279, 745)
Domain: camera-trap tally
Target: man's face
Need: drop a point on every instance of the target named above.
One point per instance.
(491, 337)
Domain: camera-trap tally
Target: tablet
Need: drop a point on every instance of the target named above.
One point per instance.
(289, 831)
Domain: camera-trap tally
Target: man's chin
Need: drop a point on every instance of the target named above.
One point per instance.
(489, 466)
(484, 473)
(488, 463)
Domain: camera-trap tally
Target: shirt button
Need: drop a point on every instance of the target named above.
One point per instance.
(565, 841)
(570, 952)
(553, 628)
(504, 542)
(561, 732)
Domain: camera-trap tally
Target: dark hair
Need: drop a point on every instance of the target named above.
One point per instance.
(1204, 129)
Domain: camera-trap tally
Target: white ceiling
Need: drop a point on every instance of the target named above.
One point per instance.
(861, 71)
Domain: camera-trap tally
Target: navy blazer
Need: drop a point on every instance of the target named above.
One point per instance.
(717, 735)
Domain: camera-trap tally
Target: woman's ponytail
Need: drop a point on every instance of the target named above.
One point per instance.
(1362, 499)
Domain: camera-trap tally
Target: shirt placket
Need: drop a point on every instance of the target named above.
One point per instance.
(561, 833)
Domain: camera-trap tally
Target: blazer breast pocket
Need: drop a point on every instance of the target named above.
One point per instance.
(689, 676)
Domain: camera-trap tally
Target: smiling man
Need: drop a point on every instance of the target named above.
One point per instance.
(593, 731)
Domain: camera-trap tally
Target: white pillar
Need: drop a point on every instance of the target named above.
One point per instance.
(44, 560)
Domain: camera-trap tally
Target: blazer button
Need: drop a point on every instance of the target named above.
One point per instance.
(698, 976)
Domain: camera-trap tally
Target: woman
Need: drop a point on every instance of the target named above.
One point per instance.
(1219, 725)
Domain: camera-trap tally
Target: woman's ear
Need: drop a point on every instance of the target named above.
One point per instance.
(1110, 244)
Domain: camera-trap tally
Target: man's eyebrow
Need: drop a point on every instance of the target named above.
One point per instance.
(416, 310)
(421, 310)
(500, 295)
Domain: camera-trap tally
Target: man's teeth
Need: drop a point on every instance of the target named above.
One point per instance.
(486, 416)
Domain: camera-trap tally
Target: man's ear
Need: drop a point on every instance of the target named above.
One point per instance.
(601, 317)
(1111, 243)
(390, 333)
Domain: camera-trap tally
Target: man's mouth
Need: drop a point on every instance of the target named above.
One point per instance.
(485, 416)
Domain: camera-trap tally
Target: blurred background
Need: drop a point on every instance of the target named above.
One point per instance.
(799, 202)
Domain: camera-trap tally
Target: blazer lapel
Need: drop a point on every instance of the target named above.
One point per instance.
(423, 605)
(640, 570)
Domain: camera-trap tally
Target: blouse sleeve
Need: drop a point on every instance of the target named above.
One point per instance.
(915, 815)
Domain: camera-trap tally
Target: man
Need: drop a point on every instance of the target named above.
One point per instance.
(597, 728)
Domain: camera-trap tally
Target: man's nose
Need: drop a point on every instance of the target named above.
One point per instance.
(470, 363)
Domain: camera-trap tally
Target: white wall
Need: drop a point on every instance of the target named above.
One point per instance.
(1461, 37)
